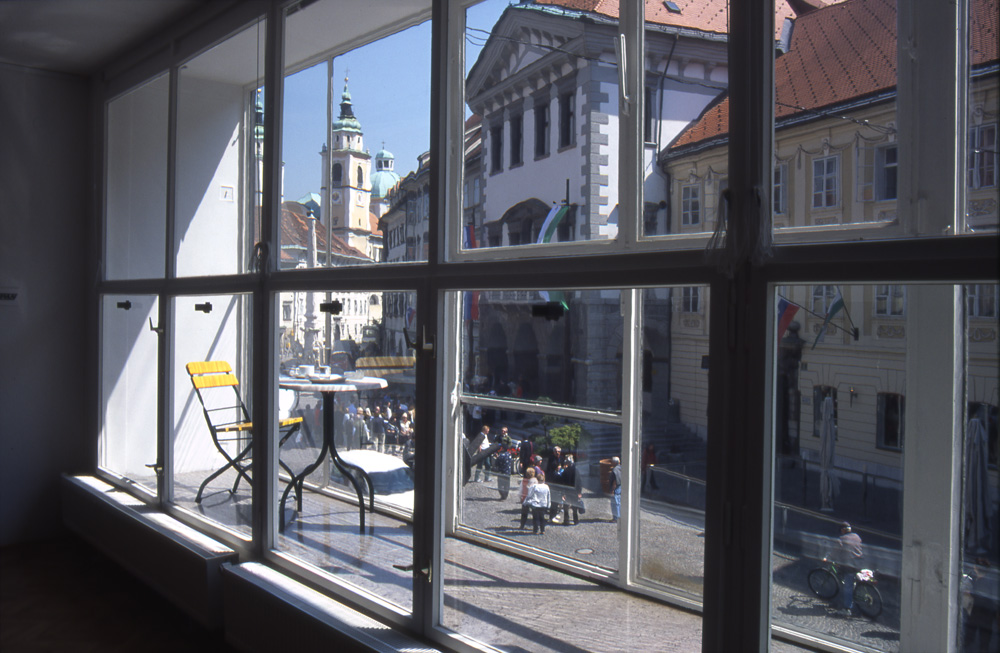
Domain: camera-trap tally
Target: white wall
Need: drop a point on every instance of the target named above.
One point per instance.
(45, 407)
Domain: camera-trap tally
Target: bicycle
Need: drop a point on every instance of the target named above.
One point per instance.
(824, 581)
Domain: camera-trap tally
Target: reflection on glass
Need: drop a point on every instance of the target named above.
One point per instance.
(346, 395)
(982, 158)
(685, 108)
(557, 347)
(674, 385)
(840, 432)
(509, 453)
(341, 204)
(541, 150)
(128, 388)
(219, 156)
(210, 427)
(137, 182)
(979, 587)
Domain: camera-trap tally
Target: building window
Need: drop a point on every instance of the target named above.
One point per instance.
(889, 421)
(820, 393)
(981, 300)
(286, 311)
(779, 198)
(361, 177)
(691, 299)
(983, 156)
(542, 128)
(516, 139)
(338, 173)
(475, 191)
(691, 204)
(826, 182)
(567, 119)
(986, 414)
(496, 148)
(648, 118)
(886, 172)
(890, 300)
(822, 299)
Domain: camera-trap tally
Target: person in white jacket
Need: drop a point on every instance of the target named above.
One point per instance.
(539, 498)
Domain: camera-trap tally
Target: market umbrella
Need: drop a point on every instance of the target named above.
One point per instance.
(827, 441)
(976, 502)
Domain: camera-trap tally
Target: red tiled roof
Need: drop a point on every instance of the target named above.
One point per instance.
(838, 53)
(702, 15)
(295, 233)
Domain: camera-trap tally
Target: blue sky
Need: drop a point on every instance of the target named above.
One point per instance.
(389, 82)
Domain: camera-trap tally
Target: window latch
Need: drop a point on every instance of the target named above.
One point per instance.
(125, 305)
(204, 308)
(155, 329)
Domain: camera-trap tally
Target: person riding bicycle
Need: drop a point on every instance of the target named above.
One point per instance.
(847, 554)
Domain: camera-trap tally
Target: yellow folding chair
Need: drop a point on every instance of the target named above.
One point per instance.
(229, 423)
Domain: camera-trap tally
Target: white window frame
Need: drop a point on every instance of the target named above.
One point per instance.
(691, 204)
(983, 156)
(826, 181)
(885, 300)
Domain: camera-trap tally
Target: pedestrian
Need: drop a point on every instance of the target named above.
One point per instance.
(482, 443)
(539, 498)
(572, 494)
(648, 461)
(847, 553)
(527, 481)
(615, 485)
(526, 452)
(503, 465)
(377, 427)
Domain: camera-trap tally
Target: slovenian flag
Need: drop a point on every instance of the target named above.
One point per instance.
(786, 312)
(835, 307)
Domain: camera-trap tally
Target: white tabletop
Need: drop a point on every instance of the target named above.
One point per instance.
(336, 383)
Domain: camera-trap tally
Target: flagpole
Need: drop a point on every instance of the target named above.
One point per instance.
(852, 332)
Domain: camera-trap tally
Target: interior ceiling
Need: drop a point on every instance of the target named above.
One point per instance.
(81, 36)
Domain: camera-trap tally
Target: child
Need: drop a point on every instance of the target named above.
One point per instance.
(526, 483)
(539, 499)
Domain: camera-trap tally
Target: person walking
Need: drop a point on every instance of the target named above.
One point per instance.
(615, 483)
(539, 498)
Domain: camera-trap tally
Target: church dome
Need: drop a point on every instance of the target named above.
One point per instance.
(384, 179)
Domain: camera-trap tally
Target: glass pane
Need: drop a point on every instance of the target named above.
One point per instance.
(686, 108)
(674, 386)
(982, 166)
(541, 151)
(219, 156)
(835, 145)
(840, 432)
(210, 416)
(137, 182)
(128, 387)
(551, 347)
(347, 417)
(363, 208)
(979, 588)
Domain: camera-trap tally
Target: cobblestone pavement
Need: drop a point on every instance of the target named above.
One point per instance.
(518, 605)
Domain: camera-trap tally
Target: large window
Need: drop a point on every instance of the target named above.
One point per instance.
(609, 306)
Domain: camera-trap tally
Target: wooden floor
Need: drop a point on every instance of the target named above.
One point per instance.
(64, 595)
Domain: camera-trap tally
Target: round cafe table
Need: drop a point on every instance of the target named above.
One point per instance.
(329, 385)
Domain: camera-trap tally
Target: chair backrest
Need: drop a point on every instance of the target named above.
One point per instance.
(210, 378)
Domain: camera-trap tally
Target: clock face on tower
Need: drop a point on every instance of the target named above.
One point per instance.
(335, 197)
